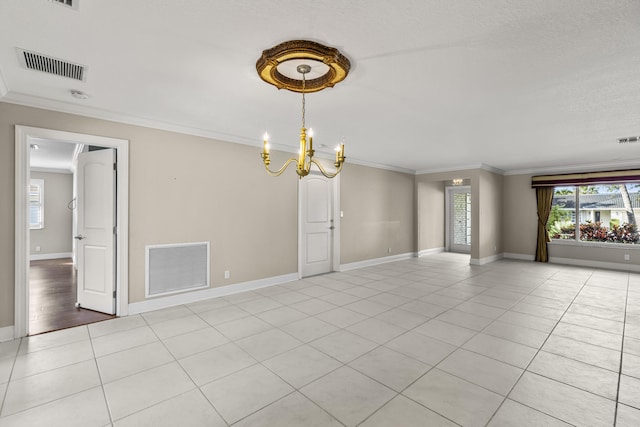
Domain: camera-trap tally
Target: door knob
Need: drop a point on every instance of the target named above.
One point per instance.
(331, 228)
(79, 237)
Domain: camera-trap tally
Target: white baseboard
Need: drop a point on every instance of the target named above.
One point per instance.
(376, 261)
(524, 257)
(189, 297)
(7, 333)
(431, 251)
(38, 257)
(597, 264)
(486, 260)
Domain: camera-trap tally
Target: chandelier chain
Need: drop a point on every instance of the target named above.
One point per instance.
(303, 106)
(305, 159)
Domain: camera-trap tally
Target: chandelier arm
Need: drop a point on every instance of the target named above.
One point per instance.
(282, 169)
(324, 172)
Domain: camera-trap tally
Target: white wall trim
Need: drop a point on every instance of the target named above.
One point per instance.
(23, 136)
(4, 88)
(376, 261)
(486, 260)
(70, 108)
(462, 168)
(524, 257)
(189, 297)
(52, 170)
(59, 255)
(7, 333)
(432, 251)
(597, 264)
(380, 166)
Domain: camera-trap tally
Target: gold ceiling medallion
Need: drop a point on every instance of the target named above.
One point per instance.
(332, 67)
(286, 66)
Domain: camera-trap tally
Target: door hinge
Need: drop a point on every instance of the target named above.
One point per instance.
(115, 166)
(114, 294)
(115, 229)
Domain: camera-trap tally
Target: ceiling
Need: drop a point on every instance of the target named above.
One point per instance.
(517, 85)
(52, 156)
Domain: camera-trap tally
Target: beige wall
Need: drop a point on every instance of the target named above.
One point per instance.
(182, 189)
(520, 218)
(595, 253)
(486, 210)
(490, 214)
(431, 211)
(55, 237)
(379, 211)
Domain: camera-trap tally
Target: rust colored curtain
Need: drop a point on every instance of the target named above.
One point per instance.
(544, 195)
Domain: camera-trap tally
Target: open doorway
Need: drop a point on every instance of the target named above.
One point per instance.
(458, 219)
(53, 293)
(52, 274)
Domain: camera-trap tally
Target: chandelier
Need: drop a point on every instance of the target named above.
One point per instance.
(275, 67)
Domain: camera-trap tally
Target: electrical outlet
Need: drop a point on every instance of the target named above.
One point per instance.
(37, 248)
(389, 250)
(227, 274)
(626, 257)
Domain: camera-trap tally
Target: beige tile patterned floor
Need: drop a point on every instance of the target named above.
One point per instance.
(430, 341)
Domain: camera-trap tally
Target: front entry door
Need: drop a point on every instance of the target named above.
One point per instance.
(96, 230)
(317, 224)
(459, 219)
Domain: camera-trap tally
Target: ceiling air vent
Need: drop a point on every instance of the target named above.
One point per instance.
(69, 3)
(48, 64)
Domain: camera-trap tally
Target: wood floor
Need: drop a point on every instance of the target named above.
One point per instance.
(52, 297)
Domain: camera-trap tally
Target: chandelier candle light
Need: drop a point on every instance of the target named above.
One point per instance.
(274, 68)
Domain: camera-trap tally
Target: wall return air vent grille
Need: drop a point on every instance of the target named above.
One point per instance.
(69, 3)
(51, 65)
(176, 268)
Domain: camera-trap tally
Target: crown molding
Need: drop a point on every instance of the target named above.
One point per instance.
(350, 160)
(4, 88)
(96, 113)
(482, 166)
(51, 170)
(379, 166)
(587, 167)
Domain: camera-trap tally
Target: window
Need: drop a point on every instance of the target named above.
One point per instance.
(36, 204)
(608, 213)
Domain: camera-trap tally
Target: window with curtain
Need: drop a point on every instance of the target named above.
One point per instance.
(36, 204)
(599, 207)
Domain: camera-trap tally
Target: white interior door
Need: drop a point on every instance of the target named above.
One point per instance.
(459, 219)
(317, 225)
(96, 238)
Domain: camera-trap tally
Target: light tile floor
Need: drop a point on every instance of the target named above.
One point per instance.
(432, 341)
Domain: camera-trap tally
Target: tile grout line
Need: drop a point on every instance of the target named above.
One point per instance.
(526, 369)
(624, 326)
(175, 360)
(6, 390)
(104, 393)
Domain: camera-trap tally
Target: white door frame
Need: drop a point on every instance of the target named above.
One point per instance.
(449, 190)
(335, 252)
(24, 135)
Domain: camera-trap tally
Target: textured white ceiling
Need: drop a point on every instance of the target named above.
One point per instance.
(513, 84)
(52, 155)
